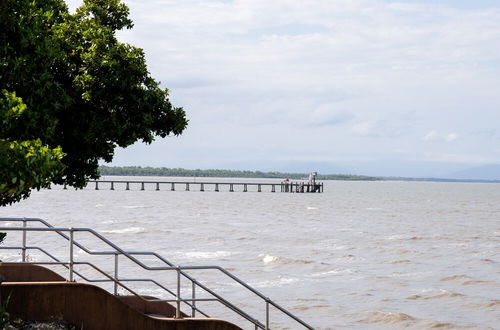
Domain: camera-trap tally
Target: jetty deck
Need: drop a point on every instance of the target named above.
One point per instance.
(286, 187)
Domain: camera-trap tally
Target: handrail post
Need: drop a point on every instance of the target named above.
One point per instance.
(24, 240)
(71, 254)
(193, 304)
(267, 313)
(116, 274)
(178, 298)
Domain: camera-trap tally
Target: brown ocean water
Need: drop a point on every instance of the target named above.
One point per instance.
(362, 255)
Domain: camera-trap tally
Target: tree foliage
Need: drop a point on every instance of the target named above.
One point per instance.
(24, 165)
(220, 173)
(71, 89)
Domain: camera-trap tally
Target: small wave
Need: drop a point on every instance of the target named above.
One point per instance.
(245, 239)
(312, 306)
(207, 255)
(99, 205)
(478, 282)
(134, 206)
(453, 277)
(405, 320)
(131, 230)
(310, 299)
(373, 208)
(394, 237)
(446, 325)
(334, 272)
(340, 247)
(492, 303)
(445, 294)
(275, 283)
(311, 208)
(441, 294)
(399, 262)
(269, 259)
(486, 304)
(389, 318)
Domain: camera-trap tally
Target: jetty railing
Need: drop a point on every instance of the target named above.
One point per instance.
(289, 187)
(69, 235)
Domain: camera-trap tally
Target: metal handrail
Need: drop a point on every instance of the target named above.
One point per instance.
(130, 255)
(177, 268)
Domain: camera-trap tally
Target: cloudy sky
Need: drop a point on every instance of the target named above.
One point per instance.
(347, 82)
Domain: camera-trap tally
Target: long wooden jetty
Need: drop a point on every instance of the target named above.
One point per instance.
(288, 187)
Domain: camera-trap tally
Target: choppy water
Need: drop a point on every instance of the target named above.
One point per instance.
(363, 255)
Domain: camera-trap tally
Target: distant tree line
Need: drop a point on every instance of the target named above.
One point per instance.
(163, 171)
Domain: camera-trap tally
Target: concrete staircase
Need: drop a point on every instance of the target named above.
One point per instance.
(39, 294)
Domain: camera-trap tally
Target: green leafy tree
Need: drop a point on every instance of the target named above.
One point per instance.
(24, 165)
(72, 93)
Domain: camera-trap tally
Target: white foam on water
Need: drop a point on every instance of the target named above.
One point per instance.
(131, 230)
(334, 272)
(99, 205)
(311, 208)
(282, 281)
(134, 206)
(267, 259)
(207, 254)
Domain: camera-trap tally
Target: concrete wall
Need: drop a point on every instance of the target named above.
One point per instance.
(90, 307)
(149, 307)
(12, 272)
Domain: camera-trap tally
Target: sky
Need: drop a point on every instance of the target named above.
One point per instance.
(400, 87)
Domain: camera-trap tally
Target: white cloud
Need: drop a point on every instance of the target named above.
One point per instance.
(434, 135)
(451, 137)
(348, 69)
(365, 129)
(431, 136)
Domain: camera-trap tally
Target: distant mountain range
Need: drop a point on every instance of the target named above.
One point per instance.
(484, 172)
(380, 168)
